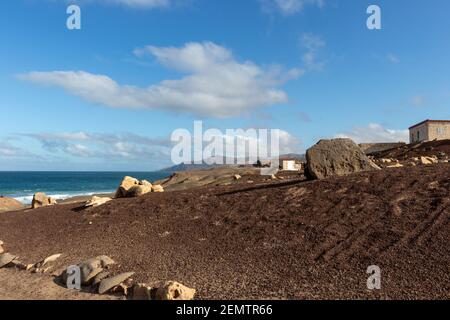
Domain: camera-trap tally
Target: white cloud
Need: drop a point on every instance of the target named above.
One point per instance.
(313, 45)
(375, 133)
(125, 146)
(9, 151)
(216, 84)
(289, 7)
(146, 4)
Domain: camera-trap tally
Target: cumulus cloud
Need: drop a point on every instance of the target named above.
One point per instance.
(289, 7)
(146, 4)
(9, 151)
(214, 84)
(375, 133)
(124, 146)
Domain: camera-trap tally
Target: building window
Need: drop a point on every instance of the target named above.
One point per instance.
(440, 131)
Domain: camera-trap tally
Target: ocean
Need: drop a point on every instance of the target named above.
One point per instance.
(61, 185)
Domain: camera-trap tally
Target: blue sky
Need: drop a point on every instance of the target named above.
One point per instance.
(108, 96)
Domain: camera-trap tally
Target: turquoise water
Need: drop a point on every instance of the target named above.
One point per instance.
(61, 185)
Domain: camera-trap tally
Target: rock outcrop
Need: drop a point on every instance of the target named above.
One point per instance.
(97, 201)
(91, 268)
(9, 204)
(132, 187)
(336, 157)
(40, 199)
(172, 290)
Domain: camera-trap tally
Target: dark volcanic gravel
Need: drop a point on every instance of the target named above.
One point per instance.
(286, 240)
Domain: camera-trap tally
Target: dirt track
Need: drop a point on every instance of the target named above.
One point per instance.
(284, 240)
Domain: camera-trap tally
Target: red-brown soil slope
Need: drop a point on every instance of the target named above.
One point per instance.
(287, 240)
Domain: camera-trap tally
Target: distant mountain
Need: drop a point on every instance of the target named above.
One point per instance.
(190, 167)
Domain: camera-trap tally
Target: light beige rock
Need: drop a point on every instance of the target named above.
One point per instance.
(386, 160)
(145, 183)
(428, 160)
(109, 283)
(40, 199)
(10, 204)
(237, 177)
(1, 249)
(157, 188)
(126, 184)
(91, 268)
(51, 258)
(97, 201)
(172, 290)
(5, 259)
(397, 165)
(139, 190)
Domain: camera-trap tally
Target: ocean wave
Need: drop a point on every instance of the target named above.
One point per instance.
(26, 199)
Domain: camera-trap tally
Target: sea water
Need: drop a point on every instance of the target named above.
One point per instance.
(61, 185)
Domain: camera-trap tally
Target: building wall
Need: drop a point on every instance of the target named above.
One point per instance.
(430, 131)
(439, 131)
(419, 133)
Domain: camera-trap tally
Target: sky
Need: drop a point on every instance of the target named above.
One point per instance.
(109, 95)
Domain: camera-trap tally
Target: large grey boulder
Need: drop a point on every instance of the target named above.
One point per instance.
(336, 157)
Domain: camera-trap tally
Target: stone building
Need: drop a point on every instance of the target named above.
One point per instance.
(429, 130)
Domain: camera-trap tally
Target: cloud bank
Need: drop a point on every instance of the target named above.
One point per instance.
(375, 133)
(214, 84)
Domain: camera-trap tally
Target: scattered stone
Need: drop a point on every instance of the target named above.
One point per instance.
(5, 259)
(17, 264)
(99, 277)
(49, 259)
(91, 268)
(428, 160)
(172, 290)
(40, 199)
(157, 188)
(237, 177)
(142, 291)
(97, 201)
(10, 204)
(139, 190)
(131, 187)
(273, 177)
(386, 160)
(397, 165)
(336, 157)
(1, 249)
(109, 283)
(126, 184)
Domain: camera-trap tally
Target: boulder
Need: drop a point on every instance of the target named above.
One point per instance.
(139, 190)
(157, 188)
(336, 157)
(428, 160)
(109, 283)
(40, 199)
(9, 204)
(142, 291)
(172, 290)
(131, 187)
(91, 268)
(97, 201)
(237, 177)
(126, 185)
(5, 259)
(397, 165)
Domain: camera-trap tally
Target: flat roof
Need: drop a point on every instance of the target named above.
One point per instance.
(428, 120)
